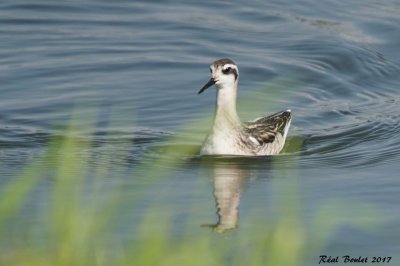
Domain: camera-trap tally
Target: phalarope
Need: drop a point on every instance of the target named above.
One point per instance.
(262, 136)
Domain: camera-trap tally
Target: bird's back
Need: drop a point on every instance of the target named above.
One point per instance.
(267, 135)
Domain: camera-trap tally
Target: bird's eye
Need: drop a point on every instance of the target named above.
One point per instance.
(210, 70)
(226, 70)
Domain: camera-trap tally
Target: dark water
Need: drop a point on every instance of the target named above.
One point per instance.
(135, 67)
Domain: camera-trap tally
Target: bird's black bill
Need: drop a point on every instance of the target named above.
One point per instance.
(208, 85)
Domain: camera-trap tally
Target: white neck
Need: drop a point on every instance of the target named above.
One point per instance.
(225, 111)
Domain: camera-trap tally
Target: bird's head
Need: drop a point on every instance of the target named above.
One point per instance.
(224, 74)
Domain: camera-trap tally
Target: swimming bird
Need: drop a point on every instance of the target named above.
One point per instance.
(229, 136)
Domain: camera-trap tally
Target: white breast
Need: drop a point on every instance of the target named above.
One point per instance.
(223, 143)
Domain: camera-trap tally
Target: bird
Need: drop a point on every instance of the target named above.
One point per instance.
(229, 136)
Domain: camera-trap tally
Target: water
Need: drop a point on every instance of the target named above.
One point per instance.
(137, 66)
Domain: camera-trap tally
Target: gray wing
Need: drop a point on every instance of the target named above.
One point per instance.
(265, 129)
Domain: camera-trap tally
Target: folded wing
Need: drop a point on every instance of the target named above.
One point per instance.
(264, 130)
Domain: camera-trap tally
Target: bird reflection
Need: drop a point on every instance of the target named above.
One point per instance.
(228, 180)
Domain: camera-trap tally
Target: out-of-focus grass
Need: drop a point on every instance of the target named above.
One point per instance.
(74, 229)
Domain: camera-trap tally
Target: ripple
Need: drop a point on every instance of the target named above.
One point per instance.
(365, 144)
(344, 100)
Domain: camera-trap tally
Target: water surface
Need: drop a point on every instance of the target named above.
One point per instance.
(127, 73)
